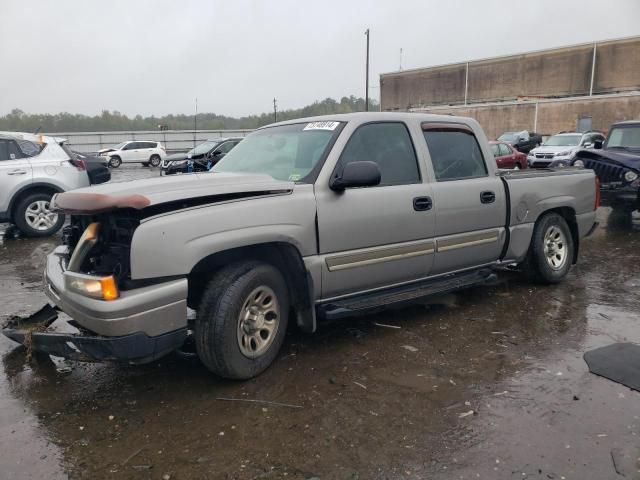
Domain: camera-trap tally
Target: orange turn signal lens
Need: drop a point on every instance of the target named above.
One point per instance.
(109, 288)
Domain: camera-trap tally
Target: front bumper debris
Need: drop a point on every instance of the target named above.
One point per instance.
(137, 348)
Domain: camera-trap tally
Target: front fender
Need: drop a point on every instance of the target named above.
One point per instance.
(172, 244)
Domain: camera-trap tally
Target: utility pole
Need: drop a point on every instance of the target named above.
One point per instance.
(195, 124)
(366, 97)
(275, 111)
(400, 59)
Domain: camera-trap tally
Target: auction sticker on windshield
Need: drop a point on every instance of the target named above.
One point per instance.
(321, 126)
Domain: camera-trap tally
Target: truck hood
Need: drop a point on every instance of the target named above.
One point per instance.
(172, 192)
(624, 158)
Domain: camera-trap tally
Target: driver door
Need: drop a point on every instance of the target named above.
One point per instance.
(375, 237)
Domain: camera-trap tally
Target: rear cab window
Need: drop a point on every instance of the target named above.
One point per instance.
(454, 150)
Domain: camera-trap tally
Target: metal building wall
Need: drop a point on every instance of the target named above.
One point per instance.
(603, 67)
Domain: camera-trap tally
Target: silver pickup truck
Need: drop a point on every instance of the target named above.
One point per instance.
(304, 220)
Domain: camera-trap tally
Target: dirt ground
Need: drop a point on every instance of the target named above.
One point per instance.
(488, 383)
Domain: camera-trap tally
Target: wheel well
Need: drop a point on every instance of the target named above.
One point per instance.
(284, 256)
(30, 190)
(569, 214)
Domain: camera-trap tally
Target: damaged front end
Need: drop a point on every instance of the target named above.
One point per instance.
(89, 279)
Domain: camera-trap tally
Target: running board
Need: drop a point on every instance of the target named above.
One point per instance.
(371, 302)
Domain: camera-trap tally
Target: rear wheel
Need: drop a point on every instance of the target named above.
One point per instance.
(242, 320)
(551, 250)
(155, 160)
(115, 161)
(34, 218)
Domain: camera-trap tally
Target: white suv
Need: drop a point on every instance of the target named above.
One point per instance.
(135, 151)
(32, 169)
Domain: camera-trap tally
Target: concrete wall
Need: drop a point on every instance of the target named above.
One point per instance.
(553, 116)
(546, 74)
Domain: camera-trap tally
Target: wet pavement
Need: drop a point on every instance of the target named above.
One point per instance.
(488, 383)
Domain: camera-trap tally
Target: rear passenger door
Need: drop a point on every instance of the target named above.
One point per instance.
(470, 204)
(15, 172)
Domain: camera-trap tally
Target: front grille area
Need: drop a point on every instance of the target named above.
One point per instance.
(544, 155)
(606, 172)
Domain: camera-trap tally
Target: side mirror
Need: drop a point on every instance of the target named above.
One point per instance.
(521, 139)
(597, 144)
(588, 145)
(356, 174)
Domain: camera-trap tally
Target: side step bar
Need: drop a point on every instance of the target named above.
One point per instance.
(371, 302)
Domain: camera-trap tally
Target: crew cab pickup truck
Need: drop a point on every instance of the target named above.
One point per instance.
(305, 220)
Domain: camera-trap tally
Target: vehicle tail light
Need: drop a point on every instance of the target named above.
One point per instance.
(597, 193)
(79, 164)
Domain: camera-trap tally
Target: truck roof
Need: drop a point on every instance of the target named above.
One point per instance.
(378, 116)
(626, 122)
(30, 137)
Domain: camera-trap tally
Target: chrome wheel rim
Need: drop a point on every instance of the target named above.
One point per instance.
(555, 247)
(39, 216)
(155, 161)
(258, 322)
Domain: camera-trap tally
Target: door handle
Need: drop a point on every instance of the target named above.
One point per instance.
(487, 197)
(17, 172)
(420, 204)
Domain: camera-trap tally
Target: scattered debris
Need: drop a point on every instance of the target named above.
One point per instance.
(410, 348)
(111, 417)
(360, 385)
(249, 400)
(126, 460)
(500, 393)
(466, 414)
(386, 326)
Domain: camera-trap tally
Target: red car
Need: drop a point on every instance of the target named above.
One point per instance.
(508, 157)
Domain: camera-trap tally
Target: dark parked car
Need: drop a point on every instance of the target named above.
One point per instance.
(523, 141)
(200, 158)
(508, 157)
(617, 165)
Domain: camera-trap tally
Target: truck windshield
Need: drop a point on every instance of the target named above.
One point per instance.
(286, 152)
(563, 141)
(624, 137)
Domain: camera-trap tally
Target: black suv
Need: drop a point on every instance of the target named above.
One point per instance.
(200, 158)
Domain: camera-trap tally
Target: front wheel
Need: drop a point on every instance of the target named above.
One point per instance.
(242, 320)
(154, 160)
(115, 162)
(551, 251)
(34, 218)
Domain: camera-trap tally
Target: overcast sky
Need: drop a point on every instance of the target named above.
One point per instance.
(155, 57)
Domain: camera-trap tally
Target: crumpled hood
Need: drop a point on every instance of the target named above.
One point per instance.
(175, 156)
(140, 194)
(624, 158)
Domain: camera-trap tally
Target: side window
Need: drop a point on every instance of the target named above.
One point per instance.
(28, 149)
(14, 151)
(4, 150)
(149, 145)
(504, 150)
(225, 147)
(130, 146)
(387, 144)
(455, 154)
(495, 149)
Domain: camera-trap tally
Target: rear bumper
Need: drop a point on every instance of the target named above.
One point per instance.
(133, 348)
(153, 310)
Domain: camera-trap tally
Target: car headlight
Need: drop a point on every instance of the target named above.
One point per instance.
(630, 176)
(578, 163)
(530, 155)
(563, 154)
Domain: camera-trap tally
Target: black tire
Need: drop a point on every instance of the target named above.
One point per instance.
(155, 160)
(115, 161)
(26, 225)
(549, 229)
(218, 326)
